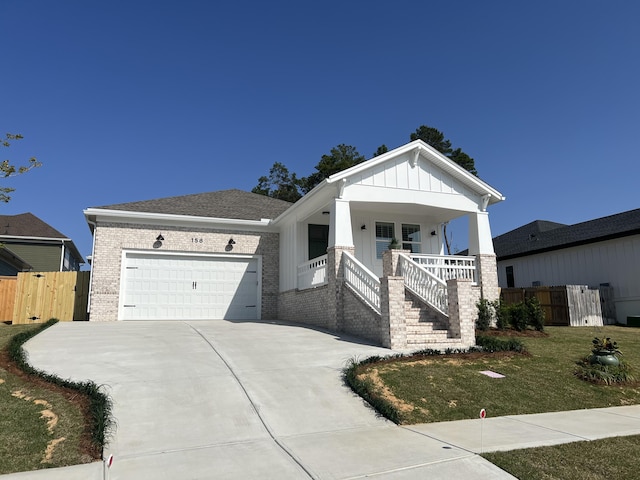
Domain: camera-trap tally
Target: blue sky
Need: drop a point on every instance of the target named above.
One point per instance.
(135, 100)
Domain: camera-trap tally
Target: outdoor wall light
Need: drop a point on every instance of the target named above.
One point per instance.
(363, 227)
(231, 242)
(160, 238)
(230, 245)
(158, 242)
(433, 233)
(326, 212)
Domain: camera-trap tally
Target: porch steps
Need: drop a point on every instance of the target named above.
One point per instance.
(426, 326)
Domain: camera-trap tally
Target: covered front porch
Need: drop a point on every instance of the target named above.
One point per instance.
(365, 252)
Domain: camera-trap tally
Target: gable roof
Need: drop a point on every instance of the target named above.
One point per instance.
(231, 204)
(420, 148)
(542, 236)
(27, 225)
(414, 154)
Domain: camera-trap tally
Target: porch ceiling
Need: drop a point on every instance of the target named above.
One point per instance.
(430, 215)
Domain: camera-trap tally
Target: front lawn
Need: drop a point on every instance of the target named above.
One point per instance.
(41, 425)
(596, 460)
(451, 387)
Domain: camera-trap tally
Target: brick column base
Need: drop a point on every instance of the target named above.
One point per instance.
(462, 311)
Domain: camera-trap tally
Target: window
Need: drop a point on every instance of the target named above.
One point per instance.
(318, 240)
(384, 235)
(411, 238)
(510, 278)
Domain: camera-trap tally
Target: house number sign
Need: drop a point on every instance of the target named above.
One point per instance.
(197, 240)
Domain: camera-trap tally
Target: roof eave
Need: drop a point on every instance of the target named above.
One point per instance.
(562, 246)
(92, 215)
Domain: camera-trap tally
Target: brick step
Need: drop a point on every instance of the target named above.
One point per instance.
(429, 336)
(442, 345)
(425, 328)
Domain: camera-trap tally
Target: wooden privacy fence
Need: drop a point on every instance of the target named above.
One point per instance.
(39, 296)
(567, 305)
(7, 297)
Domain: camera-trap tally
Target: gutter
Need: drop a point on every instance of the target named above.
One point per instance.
(169, 217)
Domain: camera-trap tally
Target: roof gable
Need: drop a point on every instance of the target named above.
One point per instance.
(417, 166)
(401, 172)
(27, 225)
(541, 236)
(230, 204)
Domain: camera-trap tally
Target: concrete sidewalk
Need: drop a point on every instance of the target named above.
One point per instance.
(237, 400)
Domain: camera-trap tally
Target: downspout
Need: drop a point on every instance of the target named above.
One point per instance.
(93, 249)
(62, 256)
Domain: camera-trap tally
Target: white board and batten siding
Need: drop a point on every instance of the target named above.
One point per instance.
(424, 177)
(615, 262)
(189, 287)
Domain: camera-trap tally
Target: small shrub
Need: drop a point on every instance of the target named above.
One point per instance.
(493, 344)
(518, 316)
(502, 315)
(535, 313)
(485, 314)
(604, 374)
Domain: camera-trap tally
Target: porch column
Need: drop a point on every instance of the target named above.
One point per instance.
(481, 246)
(340, 233)
(480, 241)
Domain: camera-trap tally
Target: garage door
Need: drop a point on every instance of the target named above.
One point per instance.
(176, 287)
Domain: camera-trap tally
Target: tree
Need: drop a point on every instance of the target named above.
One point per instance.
(279, 184)
(7, 169)
(381, 149)
(435, 138)
(340, 158)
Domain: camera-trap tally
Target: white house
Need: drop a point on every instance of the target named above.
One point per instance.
(600, 252)
(324, 260)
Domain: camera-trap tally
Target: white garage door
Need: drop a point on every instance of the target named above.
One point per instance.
(176, 287)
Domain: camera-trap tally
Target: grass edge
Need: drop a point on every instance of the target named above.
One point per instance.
(102, 424)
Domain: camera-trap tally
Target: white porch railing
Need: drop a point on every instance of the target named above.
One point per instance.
(448, 267)
(424, 284)
(363, 282)
(312, 273)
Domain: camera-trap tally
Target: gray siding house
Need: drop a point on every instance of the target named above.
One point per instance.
(600, 252)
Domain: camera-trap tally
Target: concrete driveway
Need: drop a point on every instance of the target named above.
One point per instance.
(238, 400)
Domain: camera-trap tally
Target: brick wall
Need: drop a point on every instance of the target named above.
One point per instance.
(112, 238)
(359, 319)
(305, 306)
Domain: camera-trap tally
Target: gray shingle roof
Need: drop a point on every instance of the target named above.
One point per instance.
(27, 225)
(540, 236)
(236, 204)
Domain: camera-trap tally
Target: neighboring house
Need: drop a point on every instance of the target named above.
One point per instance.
(11, 264)
(29, 244)
(323, 261)
(600, 252)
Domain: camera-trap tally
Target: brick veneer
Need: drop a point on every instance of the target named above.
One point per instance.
(305, 306)
(112, 238)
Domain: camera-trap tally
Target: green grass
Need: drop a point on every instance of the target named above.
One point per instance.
(25, 433)
(596, 460)
(450, 387)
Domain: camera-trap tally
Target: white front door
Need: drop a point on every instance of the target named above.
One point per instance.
(179, 287)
